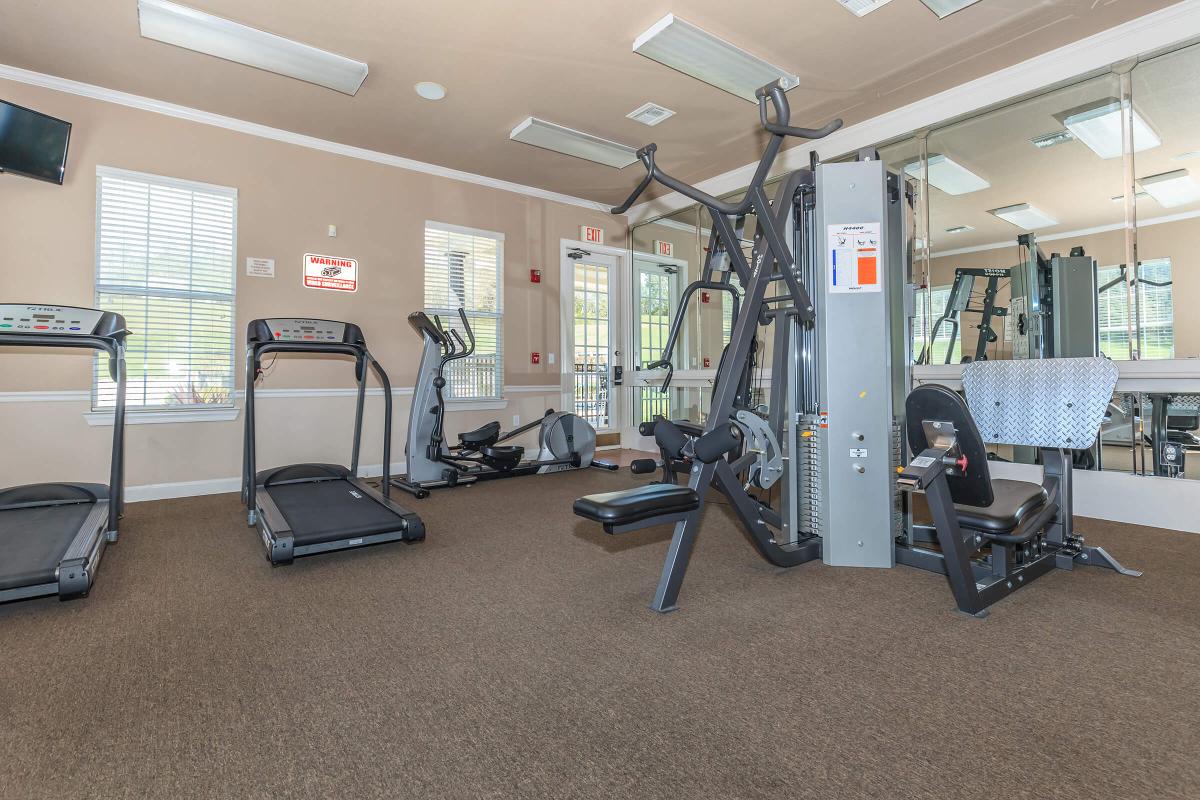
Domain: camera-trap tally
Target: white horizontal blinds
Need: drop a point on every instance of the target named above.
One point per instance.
(165, 260)
(939, 296)
(1155, 321)
(463, 269)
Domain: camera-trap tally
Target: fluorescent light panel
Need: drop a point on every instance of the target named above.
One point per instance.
(549, 136)
(944, 8)
(1025, 216)
(1098, 125)
(195, 30)
(948, 175)
(959, 229)
(1171, 189)
(1136, 196)
(862, 7)
(693, 51)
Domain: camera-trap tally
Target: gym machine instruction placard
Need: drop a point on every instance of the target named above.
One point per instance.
(854, 258)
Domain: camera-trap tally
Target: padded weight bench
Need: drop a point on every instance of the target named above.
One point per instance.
(639, 507)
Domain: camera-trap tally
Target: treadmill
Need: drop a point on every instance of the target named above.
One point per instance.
(304, 509)
(52, 535)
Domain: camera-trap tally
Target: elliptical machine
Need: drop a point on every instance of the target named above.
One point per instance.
(565, 441)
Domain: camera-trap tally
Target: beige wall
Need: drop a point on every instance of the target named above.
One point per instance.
(1179, 241)
(287, 196)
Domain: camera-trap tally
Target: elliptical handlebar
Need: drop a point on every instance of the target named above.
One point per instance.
(773, 93)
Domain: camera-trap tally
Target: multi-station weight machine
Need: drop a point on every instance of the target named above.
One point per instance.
(829, 273)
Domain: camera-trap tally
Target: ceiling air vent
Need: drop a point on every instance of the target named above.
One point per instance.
(650, 114)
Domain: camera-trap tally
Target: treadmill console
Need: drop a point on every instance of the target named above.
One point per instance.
(304, 331)
(58, 320)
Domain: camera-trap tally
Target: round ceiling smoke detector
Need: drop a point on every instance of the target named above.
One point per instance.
(430, 90)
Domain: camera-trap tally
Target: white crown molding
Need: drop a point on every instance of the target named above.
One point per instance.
(1155, 31)
(101, 93)
(1053, 237)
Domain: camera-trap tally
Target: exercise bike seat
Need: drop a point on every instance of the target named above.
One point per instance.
(481, 436)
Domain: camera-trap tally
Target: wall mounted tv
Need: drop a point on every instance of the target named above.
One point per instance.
(33, 144)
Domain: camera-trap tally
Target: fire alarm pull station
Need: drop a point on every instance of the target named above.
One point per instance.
(535, 358)
(704, 297)
(535, 276)
(707, 362)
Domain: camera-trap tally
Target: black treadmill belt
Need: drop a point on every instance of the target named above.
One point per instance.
(34, 540)
(325, 511)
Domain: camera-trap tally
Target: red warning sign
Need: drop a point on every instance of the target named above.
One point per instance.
(331, 273)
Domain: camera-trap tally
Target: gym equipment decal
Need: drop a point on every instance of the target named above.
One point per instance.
(330, 273)
(854, 258)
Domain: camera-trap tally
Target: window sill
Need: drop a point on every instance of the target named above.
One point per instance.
(476, 405)
(99, 418)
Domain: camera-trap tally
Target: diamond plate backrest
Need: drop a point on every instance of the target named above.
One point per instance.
(1052, 402)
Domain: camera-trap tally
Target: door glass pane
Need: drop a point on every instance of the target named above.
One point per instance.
(591, 357)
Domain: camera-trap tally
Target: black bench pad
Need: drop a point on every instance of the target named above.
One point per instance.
(1014, 502)
(637, 504)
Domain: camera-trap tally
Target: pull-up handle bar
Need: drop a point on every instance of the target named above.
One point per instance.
(677, 324)
(772, 93)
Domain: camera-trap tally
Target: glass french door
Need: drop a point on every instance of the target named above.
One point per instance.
(656, 293)
(594, 345)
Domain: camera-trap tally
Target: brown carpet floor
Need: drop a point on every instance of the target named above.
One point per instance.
(512, 655)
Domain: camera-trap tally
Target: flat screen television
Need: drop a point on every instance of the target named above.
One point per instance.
(33, 144)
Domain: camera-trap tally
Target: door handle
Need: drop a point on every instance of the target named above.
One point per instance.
(618, 375)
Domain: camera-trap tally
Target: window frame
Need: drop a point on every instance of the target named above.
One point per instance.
(921, 331)
(135, 414)
(450, 314)
(1141, 328)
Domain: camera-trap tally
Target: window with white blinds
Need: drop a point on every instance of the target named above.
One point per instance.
(1154, 317)
(165, 252)
(463, 269)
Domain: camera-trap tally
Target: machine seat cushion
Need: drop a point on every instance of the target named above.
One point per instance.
(1014, 502)
(637, 504)
(483, 435)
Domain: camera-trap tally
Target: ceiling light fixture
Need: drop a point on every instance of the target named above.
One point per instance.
(430, 90)
(650, 114)
(694, 51)
(1025, 216)
(959, 229)
(568, 141)
(1188, 156)
(1171, 189)
(1051, 139)
(1136, 196)
(862, 7)
(1098, 125)
(948, 175)
(186, 27)
(944, 8)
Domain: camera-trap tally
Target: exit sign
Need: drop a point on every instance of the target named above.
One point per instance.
(591, 235)
(662, 248)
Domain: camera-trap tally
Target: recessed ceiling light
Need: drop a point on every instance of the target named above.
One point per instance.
(948, 175)
(1098, 125)
(568, 141)
(1171, 189)
(1136, 196)
(1188, 156)
(1025, 216)
(862, 7)
(216, 36)
(944, 8)
(650, 114)
(959, 229)
(1051, 139)
(693, 51)
(430, 90)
